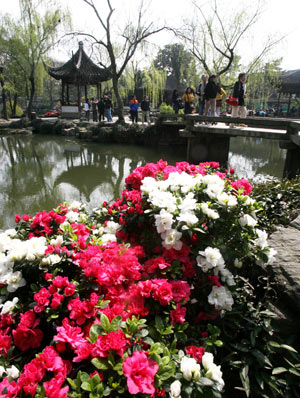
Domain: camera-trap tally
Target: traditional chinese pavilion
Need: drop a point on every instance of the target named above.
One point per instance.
(81, 72)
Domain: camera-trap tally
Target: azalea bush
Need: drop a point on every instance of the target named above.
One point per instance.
(136, 297)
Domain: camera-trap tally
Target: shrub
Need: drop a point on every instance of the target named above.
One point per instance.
(148, 295)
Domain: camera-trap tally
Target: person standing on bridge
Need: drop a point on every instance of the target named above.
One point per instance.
(210, 93)
(188, 98)
(239, 92)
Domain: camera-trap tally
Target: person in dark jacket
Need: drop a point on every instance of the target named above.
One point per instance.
(210, 94)
(95, 109)
(239, 91)
(176, 101)
(108, 107)
(145, 107)
(101, 109)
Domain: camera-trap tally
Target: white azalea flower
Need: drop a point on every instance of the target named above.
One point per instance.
(163, 221)
(111, 227)
(188, 218)
(227, 277)
(58, 241)
(8, 306)
(247, 220)
(212, 371)
(108, 238)
(72, 216)
(175, 389)
(148, 184)
(210, 258)
(261, 241)
(220, 298)
(209, 212)
(12, 372)
(225, 199)
(238, 263)
(188, 204)
(14, 280)
(74, 205)
(163, 200)
(189, 368)
(172, 239)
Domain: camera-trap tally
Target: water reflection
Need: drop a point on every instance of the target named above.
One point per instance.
(38, 172)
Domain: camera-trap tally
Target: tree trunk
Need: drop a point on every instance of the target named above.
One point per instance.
(120, 105)
(14, 111)
(32, 91)
(5, 114)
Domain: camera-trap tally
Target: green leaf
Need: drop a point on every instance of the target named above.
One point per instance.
(95, 331)
(72, 383)
(294, 372)
(156, 348)
(86, 386)
(99, 363)
(288, 347)
(277, 371)
(105, 322)
(84, 377)
(116, 323)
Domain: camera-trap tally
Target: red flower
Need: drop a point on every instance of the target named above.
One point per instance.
(195, 352)
(178, 315)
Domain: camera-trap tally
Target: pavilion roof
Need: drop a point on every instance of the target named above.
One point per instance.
(80, 69)
(290, 81)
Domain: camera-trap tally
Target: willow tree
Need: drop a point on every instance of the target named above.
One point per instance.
(215, 34)
(121, 47)
(30, 39)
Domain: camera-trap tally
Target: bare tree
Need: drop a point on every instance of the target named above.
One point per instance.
(214, 39)
(133, 35)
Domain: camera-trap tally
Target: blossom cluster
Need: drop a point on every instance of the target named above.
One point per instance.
(108, 303)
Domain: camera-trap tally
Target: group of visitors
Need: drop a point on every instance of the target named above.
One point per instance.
(134, 109)
(210, 96)
(100, 108)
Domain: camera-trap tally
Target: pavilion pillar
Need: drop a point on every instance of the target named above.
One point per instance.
(98, 90)
(63, 93)
(68, 95)
(85, 92)
(289, 104)
(79, 98)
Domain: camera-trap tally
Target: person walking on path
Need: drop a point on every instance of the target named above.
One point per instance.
(210, 94)
(134, 106)
(239, 92)
(101, 109)
(200, 93)
(188, 98)
(87, 108)
(145, 107)
(219, 98)
(95, 109)
(108, 106)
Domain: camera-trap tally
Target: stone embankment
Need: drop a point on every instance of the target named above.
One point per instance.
(286, 272)
(125, 133)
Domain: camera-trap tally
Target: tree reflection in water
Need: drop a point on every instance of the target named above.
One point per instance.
(38, 172)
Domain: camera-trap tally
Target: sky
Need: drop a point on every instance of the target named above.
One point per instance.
(279, 18)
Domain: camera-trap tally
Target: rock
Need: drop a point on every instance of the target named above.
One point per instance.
(286, 268)
(296, 223)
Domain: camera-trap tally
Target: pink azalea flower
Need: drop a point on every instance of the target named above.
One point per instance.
(140, 371)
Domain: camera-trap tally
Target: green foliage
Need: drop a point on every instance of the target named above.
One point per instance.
(166, 109)
(179, 65)
(278, 200)
(257, 360)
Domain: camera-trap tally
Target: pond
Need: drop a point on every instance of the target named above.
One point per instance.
(38, 172)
